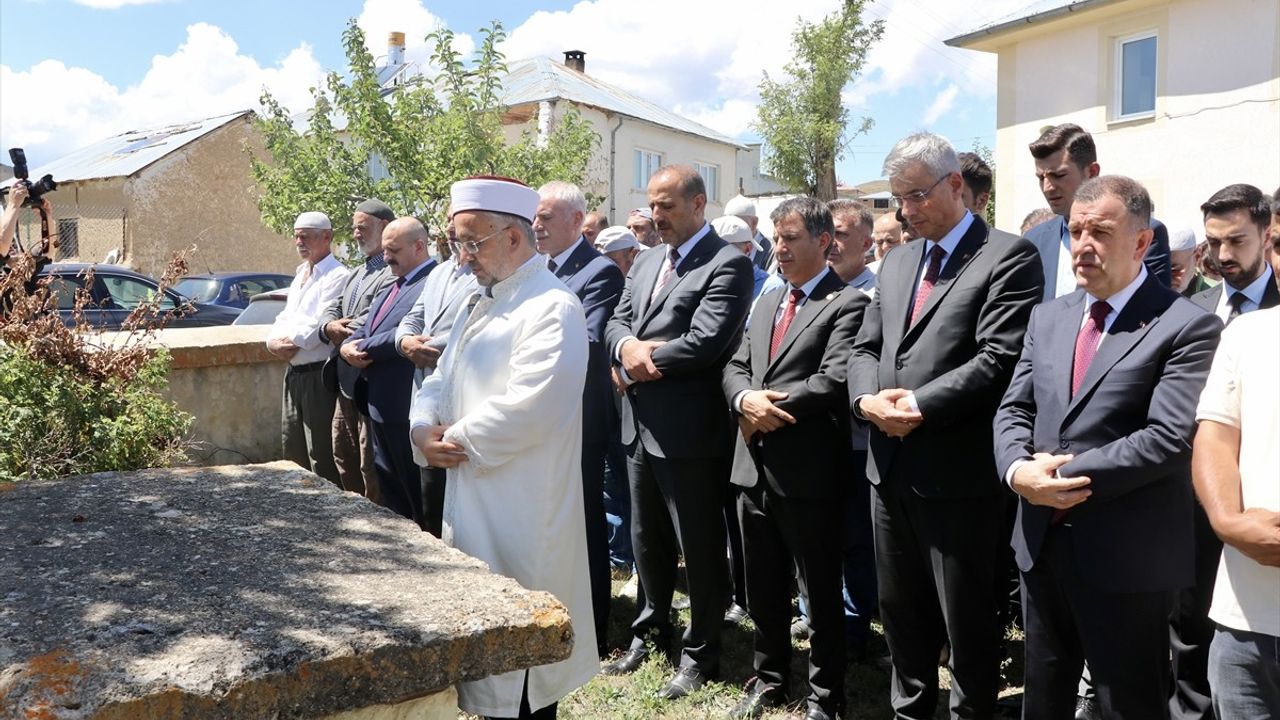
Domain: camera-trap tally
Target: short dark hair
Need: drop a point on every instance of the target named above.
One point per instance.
(976, 173)
(1134, 197)
(1275, 202)
(1078, 143)
(1240, 196)
(845, 206)
(690, 182)
(814, 214)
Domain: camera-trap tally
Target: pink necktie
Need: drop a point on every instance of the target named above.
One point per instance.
(673, 259)
(930, 279)
(780, 327)
(1087, 343)
(386, 304)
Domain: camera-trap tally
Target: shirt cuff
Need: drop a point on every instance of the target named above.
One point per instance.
(737, 401)
(626, 379)
(857, 411)
(911, 400)
(1013, 468)
(617, 349)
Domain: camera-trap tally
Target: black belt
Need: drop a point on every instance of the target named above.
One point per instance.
(309, 367)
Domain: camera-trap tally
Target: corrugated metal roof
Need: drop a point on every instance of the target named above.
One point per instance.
(126, 154)
(538, 79)
(1033, 12)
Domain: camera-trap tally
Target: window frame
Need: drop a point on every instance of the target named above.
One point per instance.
(1118, 114)
(641, 157)
(713, 189)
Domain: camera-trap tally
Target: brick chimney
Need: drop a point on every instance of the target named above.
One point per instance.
(576, 60)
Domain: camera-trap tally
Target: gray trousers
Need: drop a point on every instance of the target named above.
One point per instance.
(1244, 672)
(306, 421)
(353, 449)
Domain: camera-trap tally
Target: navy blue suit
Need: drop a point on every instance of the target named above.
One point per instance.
(389, 387)
(597, 282)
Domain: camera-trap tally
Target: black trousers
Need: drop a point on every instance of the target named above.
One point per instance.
(783, 536)
(676, 508)
(936, 564)
(399, 479)
(1191, 630)
(434, 481)
(1123, 636)
(597, 538)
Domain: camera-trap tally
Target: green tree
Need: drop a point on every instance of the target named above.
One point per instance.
(426, 134)
(984, 152)
(802, 120)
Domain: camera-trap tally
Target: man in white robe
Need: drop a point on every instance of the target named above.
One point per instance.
(503, 412)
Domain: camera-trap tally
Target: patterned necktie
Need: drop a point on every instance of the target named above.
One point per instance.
(673, 259)
(386, 304)
(930, 279)
(1236, 300)
(1087, 343)
(784, 322)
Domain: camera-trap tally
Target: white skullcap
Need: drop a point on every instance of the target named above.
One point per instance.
(490, 193)
(312, 220)
(740, 205)
(735, 230)
(1182, 239)
(643, 212)
(615, 238)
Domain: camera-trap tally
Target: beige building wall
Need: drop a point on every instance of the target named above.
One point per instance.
(204, 194)
(1217, 100)
(97, 206)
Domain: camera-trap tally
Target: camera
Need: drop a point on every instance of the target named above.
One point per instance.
(21, 173)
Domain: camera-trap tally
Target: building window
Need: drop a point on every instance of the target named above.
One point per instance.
(68, 238)
(880, 203)
(1136, 75)
(711, 176)
(647, 163)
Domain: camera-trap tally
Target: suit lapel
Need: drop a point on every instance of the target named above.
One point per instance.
(642, 288)
(823, 292)
(405, 291)
(1140, 314)
(1270, 296)
(968, 247)
(581, 255)
(701, 253)
(1060, 346)
(762, 330)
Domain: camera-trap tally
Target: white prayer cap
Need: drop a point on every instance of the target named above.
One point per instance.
(1182, 239)
(740, 205)
(490, 193)
(312, 221)
(643, 212)
(734, 230)
(615, 238)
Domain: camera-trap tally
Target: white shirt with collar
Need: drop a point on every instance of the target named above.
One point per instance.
(1253, 293)
(1065, 283)
(299, 321)
(563, 257)
(806, 291)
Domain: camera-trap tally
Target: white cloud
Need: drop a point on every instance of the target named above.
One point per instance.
(379, 18)
(114, 4)
(941, 105)
(70, 107)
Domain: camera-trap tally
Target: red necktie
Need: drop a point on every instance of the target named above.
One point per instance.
(673, 259)
(930, 279)
(386, 304)
(1087, 343)
(784, 322)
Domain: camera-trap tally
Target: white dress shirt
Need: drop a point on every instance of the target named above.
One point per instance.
(563, 257)
(1065, 283)
(1253, 293)
(299, 321)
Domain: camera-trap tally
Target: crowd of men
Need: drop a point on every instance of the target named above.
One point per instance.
(915, 417)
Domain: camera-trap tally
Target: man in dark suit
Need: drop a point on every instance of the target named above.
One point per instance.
(352, 431)
(1095, 434)
(792, 457)
(1065, 156)
(597, 282)
(388, 375)
(675, 328)
(1236, 219)
(936, 349)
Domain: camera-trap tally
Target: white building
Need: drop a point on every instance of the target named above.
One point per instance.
(1182, 95)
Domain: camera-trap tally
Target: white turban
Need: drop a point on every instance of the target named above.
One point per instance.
(493, 194)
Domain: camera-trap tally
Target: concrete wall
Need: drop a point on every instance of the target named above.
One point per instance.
(204, 194)
(1217, 100)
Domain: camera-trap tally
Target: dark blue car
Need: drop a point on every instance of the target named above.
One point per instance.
(229, 289)
(116, 291)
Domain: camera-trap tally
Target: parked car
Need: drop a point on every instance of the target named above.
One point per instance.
(116, 291)
(263, 308)
(231, 289)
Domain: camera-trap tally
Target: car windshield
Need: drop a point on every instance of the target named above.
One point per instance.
(197, 289)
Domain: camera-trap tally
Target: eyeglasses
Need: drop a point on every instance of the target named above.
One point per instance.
(472, 246)
(917, 197)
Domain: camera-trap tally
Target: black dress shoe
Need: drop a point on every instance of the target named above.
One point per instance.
(759, 697)
(628, 663)
(687, 681)
(1087, 709)
(735, 615)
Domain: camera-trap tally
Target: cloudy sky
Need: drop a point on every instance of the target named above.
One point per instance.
(73, 72)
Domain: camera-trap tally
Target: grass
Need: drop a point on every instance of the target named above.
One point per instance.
(632, 697)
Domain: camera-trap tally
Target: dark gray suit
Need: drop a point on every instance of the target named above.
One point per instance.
(938, 506)
(677, 430)
(794, 480)
(1098, 584)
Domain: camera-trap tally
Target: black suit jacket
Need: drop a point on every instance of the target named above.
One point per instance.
(389, 380)
(597, 282)
(1210, 298)
(957, 358)
(699, 314)
(810, 459)
(1129, 427)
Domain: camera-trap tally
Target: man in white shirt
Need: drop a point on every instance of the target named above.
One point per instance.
(1234, 469)
(307, 414)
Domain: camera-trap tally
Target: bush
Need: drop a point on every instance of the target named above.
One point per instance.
(70, 404)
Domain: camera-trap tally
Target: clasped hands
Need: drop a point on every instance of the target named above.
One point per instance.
(890, 410)
(419, 352)
(1038, 481)
(439, 452)
(354, 356)
(759, 414)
